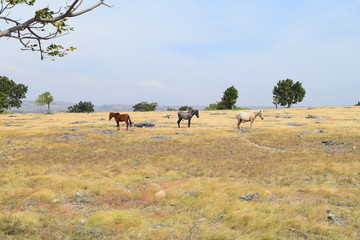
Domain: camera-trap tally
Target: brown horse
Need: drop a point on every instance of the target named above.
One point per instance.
(121, 118)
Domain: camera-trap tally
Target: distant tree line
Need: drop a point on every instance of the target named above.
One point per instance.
(285, 93)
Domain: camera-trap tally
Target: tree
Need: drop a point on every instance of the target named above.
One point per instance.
(276, 100)
(11, 93)
(229, 98)
(44, 99)
(82, 107)
(288, 93)
(212, 106)
(358, 104)
(145, 107)
(46, 24)
(185, 108)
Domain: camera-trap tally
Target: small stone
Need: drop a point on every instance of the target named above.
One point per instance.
(249, 197)
(78, 195)
(55, 200)
(201, 220)
(82, 221)
(160, 194)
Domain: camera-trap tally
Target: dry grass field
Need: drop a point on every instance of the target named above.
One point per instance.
(73, 176)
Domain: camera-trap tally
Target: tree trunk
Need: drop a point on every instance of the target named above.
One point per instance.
(49, 108)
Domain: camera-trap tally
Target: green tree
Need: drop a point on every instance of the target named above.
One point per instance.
(212, 106)
(82, 107)
(185, 108)
(276, 100)
(145, 107)
(229, 98)
(358, 104)
(287, 93)
(46, 24)
(44, 99)
(11, 93)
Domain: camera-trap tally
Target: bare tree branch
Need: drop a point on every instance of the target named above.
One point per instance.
(36, 28)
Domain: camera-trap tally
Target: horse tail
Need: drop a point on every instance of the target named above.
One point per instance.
(131, 123)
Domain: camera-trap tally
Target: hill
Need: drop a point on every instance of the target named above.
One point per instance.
(29, 106)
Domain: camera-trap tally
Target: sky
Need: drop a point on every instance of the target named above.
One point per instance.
(188, 52)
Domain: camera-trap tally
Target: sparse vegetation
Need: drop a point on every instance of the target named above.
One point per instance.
(82, 107)
(145, 107)
(185, 108)
(70, 176)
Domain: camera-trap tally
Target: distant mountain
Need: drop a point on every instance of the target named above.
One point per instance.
(29, 106)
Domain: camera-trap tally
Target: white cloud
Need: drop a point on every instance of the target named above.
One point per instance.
(152, 83)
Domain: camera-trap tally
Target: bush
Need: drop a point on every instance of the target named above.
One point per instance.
(185, 108)
(145, 107)
(211, 107)
(82, 107)
(358, 104)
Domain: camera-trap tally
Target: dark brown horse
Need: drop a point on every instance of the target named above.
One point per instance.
(121, 118)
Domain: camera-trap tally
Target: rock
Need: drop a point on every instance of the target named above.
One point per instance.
(278, 116)
(190, 192)
(328, 143)
(314, 117)
(201, 220)
(160, 137)
(106, 132)
(144, 124)
(160, 194)
(333, 218)
(22, 148)
(295, 124)
(249, 197)
(79, 122)
(78, 195)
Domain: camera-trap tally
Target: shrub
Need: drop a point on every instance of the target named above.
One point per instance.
(185, 108)
(145, 107)
(81, 107)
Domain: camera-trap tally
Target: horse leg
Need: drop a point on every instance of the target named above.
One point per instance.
(238, 124)
(118, 125)
(127, 124)
(178, 122)
(189, 122)
(251, 123)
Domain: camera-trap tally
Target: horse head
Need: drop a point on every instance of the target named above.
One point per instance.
(195, 112)
(111, 115)
(260, 115)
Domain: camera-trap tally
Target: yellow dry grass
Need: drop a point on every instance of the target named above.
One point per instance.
(63, 176)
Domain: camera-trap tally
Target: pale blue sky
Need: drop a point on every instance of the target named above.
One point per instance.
(178, 52)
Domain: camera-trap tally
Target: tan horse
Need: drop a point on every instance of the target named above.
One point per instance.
(248, 117)
(121, 118)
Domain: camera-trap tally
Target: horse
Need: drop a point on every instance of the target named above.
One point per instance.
(121, 118)
(187, 116)
(248, 117)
